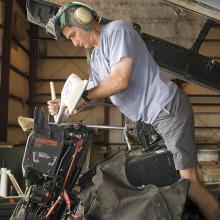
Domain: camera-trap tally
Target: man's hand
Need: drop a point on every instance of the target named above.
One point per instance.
(53, 106)
(81, 107)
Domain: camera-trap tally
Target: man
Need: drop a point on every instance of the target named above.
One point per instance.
(123, 70)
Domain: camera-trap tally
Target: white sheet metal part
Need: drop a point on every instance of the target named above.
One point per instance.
(53, 95)
(71, 94)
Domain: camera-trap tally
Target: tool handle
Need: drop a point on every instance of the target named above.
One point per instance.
(15, 183)
(60, 114)
(52, 91)
(53, 96)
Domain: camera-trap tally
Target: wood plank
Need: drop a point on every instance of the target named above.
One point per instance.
(210, 49)
(207, 120)
(192, 89)
(2, 11)
(62, 68)
(214, 33)
(16, 135)
(20, 59)
(208, 109)
(15, 110)
(207, 136)
(21, 88)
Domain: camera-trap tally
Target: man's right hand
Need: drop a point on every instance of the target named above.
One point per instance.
(53, 106)
(80, 108)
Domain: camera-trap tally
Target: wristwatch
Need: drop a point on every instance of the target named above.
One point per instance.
(85, 96)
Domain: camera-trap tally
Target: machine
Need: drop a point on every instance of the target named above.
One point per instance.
(54, 157)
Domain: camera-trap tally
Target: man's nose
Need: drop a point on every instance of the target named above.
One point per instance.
(74, 42)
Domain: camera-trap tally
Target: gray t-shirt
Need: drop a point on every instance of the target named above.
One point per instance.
(148, 91)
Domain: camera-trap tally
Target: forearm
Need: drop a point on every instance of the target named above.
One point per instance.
(108, 87)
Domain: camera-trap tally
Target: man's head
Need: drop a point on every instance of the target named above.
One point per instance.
(80, 37)
(72, 14)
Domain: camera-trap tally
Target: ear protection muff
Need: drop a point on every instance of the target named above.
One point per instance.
(81, 16)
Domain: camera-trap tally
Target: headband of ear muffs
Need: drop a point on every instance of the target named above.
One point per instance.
(81, 16)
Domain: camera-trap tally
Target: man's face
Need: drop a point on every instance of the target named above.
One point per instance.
(78, 36)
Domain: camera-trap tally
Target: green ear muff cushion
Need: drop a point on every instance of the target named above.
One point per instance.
(62, 20)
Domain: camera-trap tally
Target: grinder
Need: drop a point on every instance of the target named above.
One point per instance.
(71, 94)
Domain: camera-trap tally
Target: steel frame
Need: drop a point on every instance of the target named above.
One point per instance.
(33, 68)
(185, 64)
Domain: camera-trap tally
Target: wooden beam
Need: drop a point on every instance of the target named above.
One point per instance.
(33, 67)
(21, 46)
(203, 127)
(49, 94)
(216, 25)
(5, 69)
(45, 38)
(18, 99)
(63, 57)
(203, 95)
(212, 40)
(49, 80)
(19, 72)
(13, 126)
(197, 7)
(22, 5)
(206, 113)
(206, 104)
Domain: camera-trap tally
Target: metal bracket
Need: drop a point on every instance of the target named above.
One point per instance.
(184, 63)
(202, 35)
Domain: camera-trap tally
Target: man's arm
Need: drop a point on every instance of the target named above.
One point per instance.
(115, 82)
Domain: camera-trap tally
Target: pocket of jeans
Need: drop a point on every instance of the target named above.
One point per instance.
(170, 108)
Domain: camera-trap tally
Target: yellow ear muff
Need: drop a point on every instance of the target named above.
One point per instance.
(82, 15)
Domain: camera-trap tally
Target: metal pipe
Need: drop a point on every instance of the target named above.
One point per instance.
(105, 127)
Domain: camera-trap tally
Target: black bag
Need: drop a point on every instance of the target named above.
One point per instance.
(109, 195)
